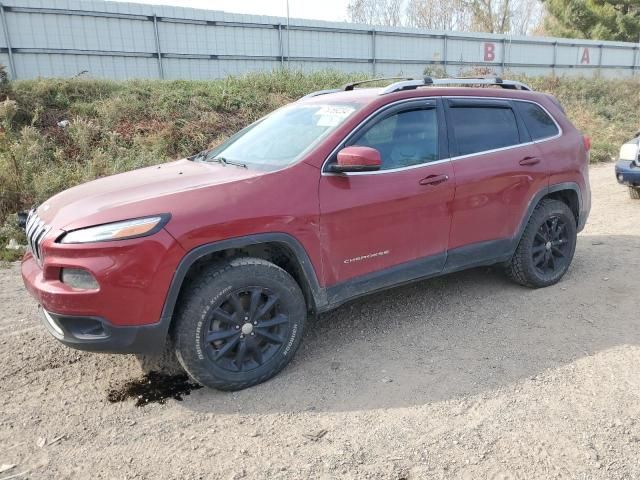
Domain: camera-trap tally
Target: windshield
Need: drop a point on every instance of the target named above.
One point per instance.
(282, 137)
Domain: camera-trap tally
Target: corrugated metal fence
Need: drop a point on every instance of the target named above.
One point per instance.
(61, 38)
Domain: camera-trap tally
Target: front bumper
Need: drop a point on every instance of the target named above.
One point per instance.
(628, 173)
(96, 334)
(125, 313)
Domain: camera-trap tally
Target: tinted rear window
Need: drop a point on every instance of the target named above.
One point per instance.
(478, 129)
(538, 122)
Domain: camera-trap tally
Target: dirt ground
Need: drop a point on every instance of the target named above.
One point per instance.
(466, 376)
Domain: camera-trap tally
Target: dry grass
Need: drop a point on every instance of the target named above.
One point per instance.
(119, 126)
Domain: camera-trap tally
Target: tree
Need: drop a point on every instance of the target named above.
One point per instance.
(494, 16)
(518, 17)
(376, 12)
(438, 15)
(594, 19)
(491, 16)
(526, 17)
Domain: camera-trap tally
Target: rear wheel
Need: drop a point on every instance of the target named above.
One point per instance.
(634, 192)
(239, 324)
(547, 246)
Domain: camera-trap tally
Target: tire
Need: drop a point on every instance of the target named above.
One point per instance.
(239, 323)
(634, 193)
(164, 362)
(551, 231)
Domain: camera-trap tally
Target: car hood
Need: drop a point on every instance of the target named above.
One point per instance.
(142, 192)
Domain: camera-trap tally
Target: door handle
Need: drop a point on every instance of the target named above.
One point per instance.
(434, 179)
(526, 161)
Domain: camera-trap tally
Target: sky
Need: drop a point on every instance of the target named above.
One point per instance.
(332, 10)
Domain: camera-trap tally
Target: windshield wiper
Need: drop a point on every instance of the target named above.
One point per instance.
(226, 162)
(199, 156)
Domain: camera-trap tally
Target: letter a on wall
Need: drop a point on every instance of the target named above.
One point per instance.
(489, 52)
(584, 58)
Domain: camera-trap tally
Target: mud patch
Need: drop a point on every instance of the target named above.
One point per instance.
(153, 387)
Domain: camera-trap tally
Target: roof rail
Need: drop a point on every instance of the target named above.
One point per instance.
(428, 81)
(413, 83)
(321, 92)
(350, 86)
(347, 87)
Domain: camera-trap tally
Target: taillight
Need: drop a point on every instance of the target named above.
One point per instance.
(587, 142)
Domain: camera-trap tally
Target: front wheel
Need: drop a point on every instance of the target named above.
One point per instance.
(163, 362)
(547, 246)
(239, 323)
(634, 192)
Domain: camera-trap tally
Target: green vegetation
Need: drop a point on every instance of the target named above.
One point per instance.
(595, 19)
(118, 126)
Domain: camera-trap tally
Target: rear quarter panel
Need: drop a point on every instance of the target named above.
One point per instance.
(568, 157)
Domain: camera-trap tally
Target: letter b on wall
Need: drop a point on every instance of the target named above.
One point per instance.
(489, 51)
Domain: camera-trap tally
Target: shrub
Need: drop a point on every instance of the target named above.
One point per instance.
(5, 85)
(117, 126)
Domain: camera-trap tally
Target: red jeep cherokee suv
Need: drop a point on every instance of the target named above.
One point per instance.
(219, 258)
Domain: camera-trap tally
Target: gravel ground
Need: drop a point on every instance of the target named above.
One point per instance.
(466, 376)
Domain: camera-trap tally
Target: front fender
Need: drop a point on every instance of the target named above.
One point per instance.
(318, 293)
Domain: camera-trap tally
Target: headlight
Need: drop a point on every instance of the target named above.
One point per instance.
(629, 151)
(139, 227)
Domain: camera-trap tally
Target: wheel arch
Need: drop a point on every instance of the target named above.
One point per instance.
(567, 192)
(279, 248)
(569, 196)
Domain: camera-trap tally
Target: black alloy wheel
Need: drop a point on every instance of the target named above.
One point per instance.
(245, 329)
(546, 247)
(239, 322)
(550, 251)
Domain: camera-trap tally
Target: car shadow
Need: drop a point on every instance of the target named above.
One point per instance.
(461, 334)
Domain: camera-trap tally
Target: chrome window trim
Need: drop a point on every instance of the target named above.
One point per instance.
(390, 170)
(365, 120)
(524, 144)
(486, 152)
(543, 139)
(443, 160)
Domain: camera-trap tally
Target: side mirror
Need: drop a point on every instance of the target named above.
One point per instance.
(357, 159)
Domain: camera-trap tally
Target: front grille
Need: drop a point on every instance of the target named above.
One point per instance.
(36, 231)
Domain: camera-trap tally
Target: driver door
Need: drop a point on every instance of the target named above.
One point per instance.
(391, 224)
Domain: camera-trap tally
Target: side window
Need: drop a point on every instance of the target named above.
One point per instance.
(538, 122)
(478, 129)
(406, 138)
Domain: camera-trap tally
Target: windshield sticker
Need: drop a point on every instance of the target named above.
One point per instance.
(332, 115)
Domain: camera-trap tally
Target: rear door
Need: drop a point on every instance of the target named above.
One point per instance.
(372, 221)
(498, 171)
